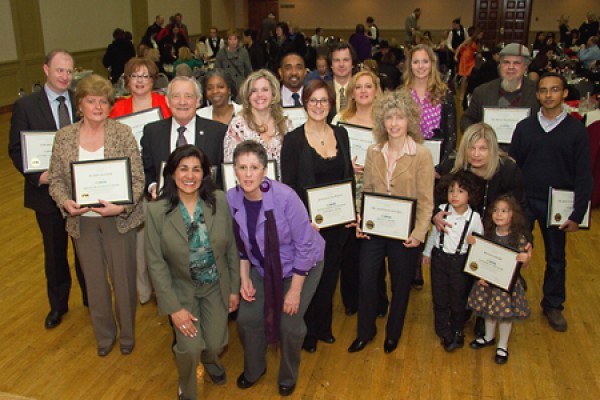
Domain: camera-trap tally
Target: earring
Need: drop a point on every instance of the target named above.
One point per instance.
(265, 186)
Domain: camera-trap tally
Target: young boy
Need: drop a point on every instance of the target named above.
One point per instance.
(447, 253)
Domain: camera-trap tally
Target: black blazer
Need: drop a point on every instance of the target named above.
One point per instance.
(33, 113)
(156, 145)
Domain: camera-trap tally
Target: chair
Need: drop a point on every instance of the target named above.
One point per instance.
(161, 82)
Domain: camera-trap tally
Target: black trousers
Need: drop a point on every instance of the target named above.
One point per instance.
(56, 265)
(402, 264)
(450, 289)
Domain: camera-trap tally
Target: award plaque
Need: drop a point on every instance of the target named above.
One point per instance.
(361, 138)
(493, 262)
(36, 149)
(389, 216)
(108, 179)
(504, 120)
(331, 204)
(560, 207)
(297, 115)
(138, 120)
(435, 147)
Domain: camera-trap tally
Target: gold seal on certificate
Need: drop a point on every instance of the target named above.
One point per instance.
(138, 120)
(230, 180)
(560, 207)
(504, 120)
(493, 262)
(389, 216)
(360, 138)
(36, 149)
(108, 179)
(331, 204)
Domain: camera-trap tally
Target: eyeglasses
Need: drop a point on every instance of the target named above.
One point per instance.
(141, 77)
(313, 102)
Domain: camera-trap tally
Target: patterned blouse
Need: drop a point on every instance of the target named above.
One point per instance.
(431, 116)
(203, 268)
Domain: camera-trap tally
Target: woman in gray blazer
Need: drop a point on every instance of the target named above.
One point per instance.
(194, 264)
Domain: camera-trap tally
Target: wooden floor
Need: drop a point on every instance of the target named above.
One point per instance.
(62, 363)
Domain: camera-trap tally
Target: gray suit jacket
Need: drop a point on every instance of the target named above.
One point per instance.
(167, 254)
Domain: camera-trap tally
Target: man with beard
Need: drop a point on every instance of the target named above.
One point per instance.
(512, 89)
(292, 72)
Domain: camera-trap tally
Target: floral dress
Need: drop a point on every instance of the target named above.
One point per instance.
(492, 302)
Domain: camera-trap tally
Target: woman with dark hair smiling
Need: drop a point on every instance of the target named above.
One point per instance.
(194, 264)
(319, 153)
(219, 90)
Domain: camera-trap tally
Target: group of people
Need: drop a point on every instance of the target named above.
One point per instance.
(254, 249)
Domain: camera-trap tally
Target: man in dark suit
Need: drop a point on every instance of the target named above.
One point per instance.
(48, 110)
(184, 127)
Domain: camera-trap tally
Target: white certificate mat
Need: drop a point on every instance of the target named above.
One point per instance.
(493, 262)
(161, 177)
(108, 179)
(435, 147)
(388, 216)
(295, 114)
(230, 180)
(361, 138)
(331, 205)
(137, 121)
(504, 120)
(560, 207)
(36, 149)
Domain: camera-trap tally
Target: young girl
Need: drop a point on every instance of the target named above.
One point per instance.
(447, 253)
(504, 224)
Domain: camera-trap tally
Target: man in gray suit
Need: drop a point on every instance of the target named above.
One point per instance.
(184, 127)
(512, 89)
(48, 110)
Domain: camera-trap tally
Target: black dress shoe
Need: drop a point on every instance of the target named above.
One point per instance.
(53, 319)
(481, 342)
(390, 345)
(358, 345)
(309, 345)
(456, 341)
(104, 351)
(285, 390)
(382, 313)
(501, 356)
(218, 379)
(244, 383)
(328, 340)
(126, 350)
(351, 311)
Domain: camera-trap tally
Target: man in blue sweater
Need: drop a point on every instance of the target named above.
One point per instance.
(552, 150)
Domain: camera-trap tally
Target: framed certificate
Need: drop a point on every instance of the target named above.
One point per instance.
(331, 205)
(138, 120)
(388, 216)
(108, 179)
(504, 120)
(361, 138)
(436, 148)
(161, 177)
(493, 262)
(36, 149)
(560, 207)
(295, 114)
(230, 180)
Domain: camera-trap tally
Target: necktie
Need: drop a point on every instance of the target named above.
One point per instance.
(63, 114)
(181, 140)
(296, 98)
(342, 99)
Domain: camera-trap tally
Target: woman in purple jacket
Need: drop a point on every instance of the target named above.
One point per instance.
(281, 264)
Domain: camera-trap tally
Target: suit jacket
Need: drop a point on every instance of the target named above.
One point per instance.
(487, 95)
(118, 142)
(156, 145)
(413, 177)
(167, 253)
(33, 113)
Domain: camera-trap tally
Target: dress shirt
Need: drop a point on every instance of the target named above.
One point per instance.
(190, 133)
(53, 101)
(549, 124)
(336, 88)
(451, 239)
(286, 96)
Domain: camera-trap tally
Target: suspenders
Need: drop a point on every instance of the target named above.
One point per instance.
(462, 236)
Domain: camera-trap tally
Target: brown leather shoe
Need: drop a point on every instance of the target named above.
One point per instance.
(556, 319)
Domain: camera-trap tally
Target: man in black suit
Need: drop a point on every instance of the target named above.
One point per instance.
(48, 110)
(184, 127)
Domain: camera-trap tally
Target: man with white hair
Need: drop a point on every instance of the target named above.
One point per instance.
(512, 89)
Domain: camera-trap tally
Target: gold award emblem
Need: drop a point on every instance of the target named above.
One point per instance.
(557, 217)
(473, 266)
(35, 162)
(370, 224)
(85, 196)
(319, 219)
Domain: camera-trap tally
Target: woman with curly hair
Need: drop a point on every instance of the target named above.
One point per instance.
(398, 165)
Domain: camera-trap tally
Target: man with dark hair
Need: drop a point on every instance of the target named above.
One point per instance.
(181, 25)
(292, 72)
(361, 43)
(256, 50)
(152, 30)
(372, 31)
(589, 53)
(213, 43)
(342, 59)
(552, 150)
(48, 110)
(317, 40)
(411, 26)
(456, 36)
(117, 54)
(267, 27)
